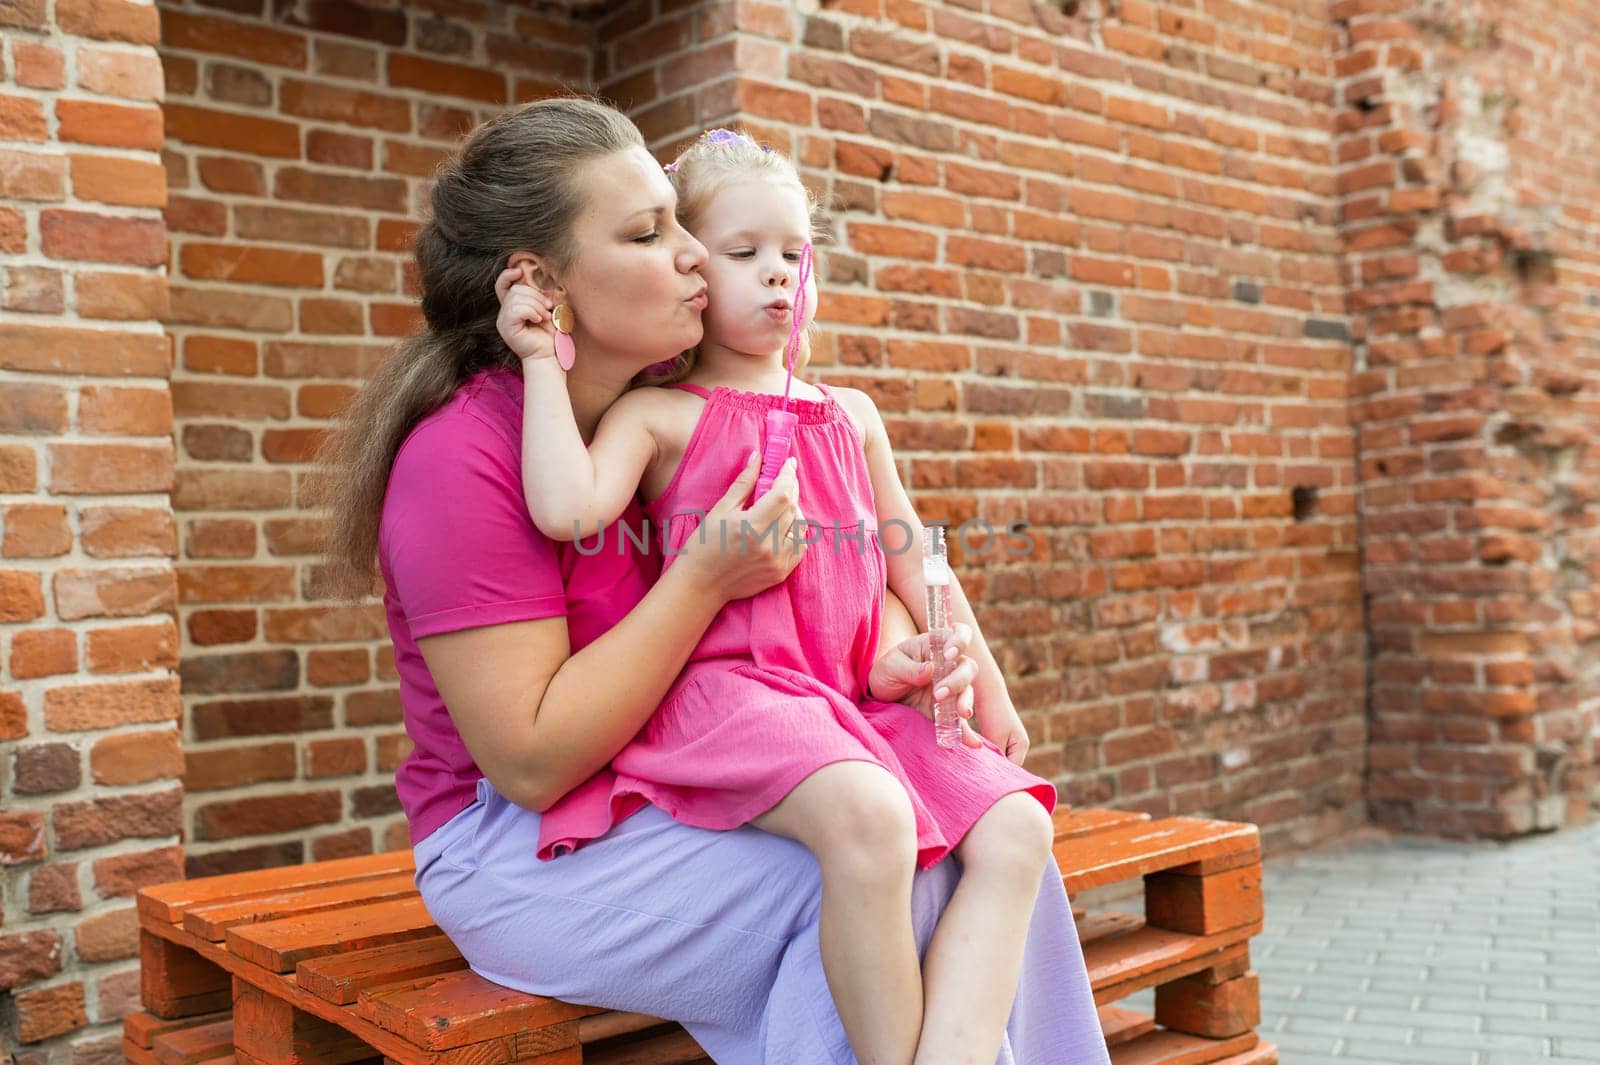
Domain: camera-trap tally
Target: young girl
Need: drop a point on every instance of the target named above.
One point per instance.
(770, 723)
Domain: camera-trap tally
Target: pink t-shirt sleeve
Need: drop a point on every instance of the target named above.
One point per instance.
(459, 548)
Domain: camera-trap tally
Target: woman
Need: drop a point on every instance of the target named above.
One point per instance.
(534, 647)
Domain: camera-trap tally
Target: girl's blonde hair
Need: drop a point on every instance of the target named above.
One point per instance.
(718, 158)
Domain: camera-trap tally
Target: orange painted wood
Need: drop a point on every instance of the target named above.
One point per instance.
(169, 901)
(1127, 851)
(1263, 1054)
(1201, 1006)
(341, 977)
(462, 1007)
(174, 982)
(135, 1054)
(1151, 956)
(189, 1046)
(278, 946)
(1202, 905)
(142, 1027)
(1221, 864)
(608, 1025)
(675, 1047)
(1175, 1048)
(1071, 824)
(272, 1029)
(1121, 1025)
(1106, 925)
(213, 919)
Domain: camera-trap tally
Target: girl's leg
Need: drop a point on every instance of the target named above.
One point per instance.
(972, 965)
(856, 818)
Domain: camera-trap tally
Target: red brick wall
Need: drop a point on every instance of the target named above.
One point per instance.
(1089, 265)
(1472, 227)
(88, 704)
(299, 144)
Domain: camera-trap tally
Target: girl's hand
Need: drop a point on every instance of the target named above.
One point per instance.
(524, 320)
(903, 674)
(733, 552)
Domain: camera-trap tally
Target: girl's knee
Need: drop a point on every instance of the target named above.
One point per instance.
(1012, 840)
(869, 830)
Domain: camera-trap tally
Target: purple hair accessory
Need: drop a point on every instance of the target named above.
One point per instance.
(672, 167)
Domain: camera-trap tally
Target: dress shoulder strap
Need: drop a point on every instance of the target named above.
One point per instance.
(699, 390)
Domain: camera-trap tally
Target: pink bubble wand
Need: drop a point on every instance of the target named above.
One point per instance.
(780, 424)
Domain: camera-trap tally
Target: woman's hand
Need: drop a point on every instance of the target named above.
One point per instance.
(903, 674)
(524, 320)
(1003, 728)
(735, 551)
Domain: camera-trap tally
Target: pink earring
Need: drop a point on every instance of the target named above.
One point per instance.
(563, 320)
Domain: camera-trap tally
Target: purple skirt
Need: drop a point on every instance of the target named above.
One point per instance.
(716, 930)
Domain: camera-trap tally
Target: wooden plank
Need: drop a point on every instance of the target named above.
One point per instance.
(462, 1007)
(1263, 1054)
(211, 920)
(1201, 905)
(278, 946)
(1151, 956)
(1121, 1025)
(174, 982)
(1198, 1005)
(272, 1029)
(1175, 1048)
(1131, 850)
(1073, 824)
(672, 1047)
(188, 1046)
(614, 1023)
(166, 902)
(1107, 925)
(135, 1054)
(142, 1027)
(341, 977)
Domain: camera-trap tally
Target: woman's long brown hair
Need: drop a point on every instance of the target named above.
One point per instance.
(509, 187)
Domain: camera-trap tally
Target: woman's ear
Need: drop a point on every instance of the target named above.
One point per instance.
(535, 271)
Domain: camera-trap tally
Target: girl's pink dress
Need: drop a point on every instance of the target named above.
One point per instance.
(776, 689)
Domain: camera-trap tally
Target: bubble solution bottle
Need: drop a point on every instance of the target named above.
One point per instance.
(936, 579)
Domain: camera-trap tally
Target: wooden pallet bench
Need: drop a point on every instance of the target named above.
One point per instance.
(338, 962)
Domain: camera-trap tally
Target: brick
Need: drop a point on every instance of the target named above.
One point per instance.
(133, 648)
(109, 125)
(230, 308)
(34, 289)
(226, 355)
(108, 469)
(49, 1012)
(118, 72)
(345, 17)
(122, 297)
(28, 14)
(222, 173)
(116, 817)
(31, 176)
(226, 538)
(341, 190)
(260, 717)
(42, 768)
(108, 936)
(21, 596)
(22, 119)
(251, 264)
(327, 668)
(266, 814)
(128, 532)
(248, 134)
(21, 838)
(85, 707)
(352, 107)
(339, 149)
(43, 653)
(119, 180)
(18, 471)
(27, 957)
(217, 768)
(101, 238)
(336, 757)
(54, 889)
(436, 76)
(31, 408)
(211, 35)
(96, 352)
(136, 757)
(121, 875)
(251, 671)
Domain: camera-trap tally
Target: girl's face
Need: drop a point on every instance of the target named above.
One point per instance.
(634, 284)
(755, 230)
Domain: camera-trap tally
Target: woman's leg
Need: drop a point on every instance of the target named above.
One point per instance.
(654, 917)
(1055, 1021)
(856, 818)
(973, 964)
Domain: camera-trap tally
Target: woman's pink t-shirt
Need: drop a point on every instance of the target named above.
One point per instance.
(457, 550)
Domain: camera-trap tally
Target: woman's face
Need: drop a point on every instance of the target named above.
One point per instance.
(634, 283)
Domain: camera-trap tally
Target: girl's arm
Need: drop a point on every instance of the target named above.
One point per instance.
(539, 720)
(572, 490)
(997, 717)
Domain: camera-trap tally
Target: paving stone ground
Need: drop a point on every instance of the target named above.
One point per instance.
(1410, 951)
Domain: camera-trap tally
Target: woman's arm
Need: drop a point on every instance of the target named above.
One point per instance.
(572, 491)
(538, 722)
